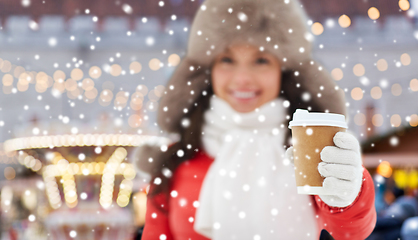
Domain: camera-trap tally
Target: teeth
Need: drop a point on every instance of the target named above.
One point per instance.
(244, 94)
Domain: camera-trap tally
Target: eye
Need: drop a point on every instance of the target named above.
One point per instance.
(226, 59)
(262, 60)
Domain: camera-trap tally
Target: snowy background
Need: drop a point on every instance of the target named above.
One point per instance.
(374, 61)
(100, 66)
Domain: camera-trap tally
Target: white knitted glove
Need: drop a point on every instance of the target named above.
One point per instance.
(342, 168)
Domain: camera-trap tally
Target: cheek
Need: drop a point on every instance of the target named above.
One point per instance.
(218, 81)
(271, 84)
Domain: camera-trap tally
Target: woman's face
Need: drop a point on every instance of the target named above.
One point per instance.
(245, 77)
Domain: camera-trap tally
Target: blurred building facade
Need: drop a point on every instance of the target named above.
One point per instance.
(80, 34)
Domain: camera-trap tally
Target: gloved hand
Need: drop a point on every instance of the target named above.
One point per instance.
(342, 168)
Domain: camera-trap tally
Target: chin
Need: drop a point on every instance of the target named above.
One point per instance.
(243, 109)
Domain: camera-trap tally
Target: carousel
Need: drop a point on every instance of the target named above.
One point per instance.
(88, 181)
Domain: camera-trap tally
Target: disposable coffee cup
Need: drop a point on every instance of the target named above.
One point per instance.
(311, 132)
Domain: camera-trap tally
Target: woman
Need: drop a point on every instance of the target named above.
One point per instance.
(248, 67)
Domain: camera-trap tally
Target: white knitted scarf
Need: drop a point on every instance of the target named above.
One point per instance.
(249, 192)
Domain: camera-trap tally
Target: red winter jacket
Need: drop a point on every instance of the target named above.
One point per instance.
(354, 222)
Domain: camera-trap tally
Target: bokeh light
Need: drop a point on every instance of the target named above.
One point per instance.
(154, 64)
(22, 86)
(376, 92)
(60, 87)
(87, 84)
(395, 120)
(77, 74)
(413, 84)
(136, 101)
(6, 66)
(70, 85)
(337, 74)
(413, 179)
(373, 13)
(142, 89)
(18, 71)
(159, 90)
(174, 59)
(91, 94)
(121, 99)
(401, 178)
(135, 121)
(152, 96)
(106, 95)
(317, 28)
(396, 89)
(377, 120)
(357, 93)
(135, 67)
(115, 70)
(382, 65)
(74, 93)
(32, 76)
(41, 77)
(59, 76)
(95, 72)
(9, 173)
(359, 70)
(414, 120)
(384, 169)
(7, 80)
(40, 87)
(344, 21)
(405, 59)
(25, 76)
(404, 5)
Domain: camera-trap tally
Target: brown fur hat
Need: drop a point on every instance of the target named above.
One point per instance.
(277, 26)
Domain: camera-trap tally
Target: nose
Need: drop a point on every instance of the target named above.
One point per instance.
(242, 76)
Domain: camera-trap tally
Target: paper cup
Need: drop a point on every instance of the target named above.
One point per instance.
(311, 132)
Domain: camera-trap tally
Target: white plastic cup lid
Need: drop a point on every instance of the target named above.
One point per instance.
(302, 117)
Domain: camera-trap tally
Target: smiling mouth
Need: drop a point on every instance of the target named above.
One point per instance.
(245, 95)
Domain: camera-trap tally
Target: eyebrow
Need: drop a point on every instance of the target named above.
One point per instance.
(255, 53)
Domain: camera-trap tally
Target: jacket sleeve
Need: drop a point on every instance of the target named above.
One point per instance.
(156, 221)
(354, 222)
